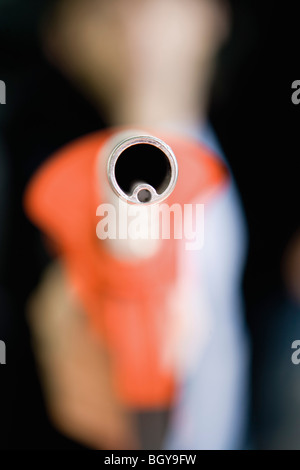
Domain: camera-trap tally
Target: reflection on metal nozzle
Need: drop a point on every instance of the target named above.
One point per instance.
(142, 170)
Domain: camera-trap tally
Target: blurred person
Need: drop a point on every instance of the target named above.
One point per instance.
(149, 64)
(277, 380)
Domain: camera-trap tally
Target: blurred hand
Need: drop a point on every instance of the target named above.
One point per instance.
(75, 369)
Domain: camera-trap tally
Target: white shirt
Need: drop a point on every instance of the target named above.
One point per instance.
(212, 405)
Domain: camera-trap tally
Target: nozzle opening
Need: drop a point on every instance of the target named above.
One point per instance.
(142, 170)
(143, 163)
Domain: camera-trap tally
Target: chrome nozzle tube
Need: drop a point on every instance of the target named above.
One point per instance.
(142, 170)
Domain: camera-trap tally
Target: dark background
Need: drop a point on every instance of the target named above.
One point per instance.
(257, 125)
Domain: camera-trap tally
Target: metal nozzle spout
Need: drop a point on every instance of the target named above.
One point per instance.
(142, 170)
